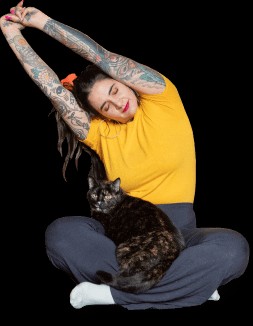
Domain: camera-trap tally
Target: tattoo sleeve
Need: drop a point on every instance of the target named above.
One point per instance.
(117, 66)
(45, 78)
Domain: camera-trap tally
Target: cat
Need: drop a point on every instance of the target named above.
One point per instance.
(147, 242)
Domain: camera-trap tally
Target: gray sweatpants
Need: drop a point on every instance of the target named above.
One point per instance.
(213, 257)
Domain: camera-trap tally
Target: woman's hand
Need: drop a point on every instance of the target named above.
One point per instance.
(8, 25)
(12, 21)
(28, 17)
(18, 10)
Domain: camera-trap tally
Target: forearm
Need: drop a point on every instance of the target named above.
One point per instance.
(77, 41)
(34, 66)
(49, 83)
(137, 76)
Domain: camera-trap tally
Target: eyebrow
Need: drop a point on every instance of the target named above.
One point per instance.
(109, 93)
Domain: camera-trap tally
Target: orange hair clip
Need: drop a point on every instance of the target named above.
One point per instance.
(67, 82)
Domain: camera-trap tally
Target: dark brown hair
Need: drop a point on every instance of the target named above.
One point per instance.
(82, 86)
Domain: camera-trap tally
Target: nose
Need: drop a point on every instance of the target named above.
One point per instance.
(118, 103)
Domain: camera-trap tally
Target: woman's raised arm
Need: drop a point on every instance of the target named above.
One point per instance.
(135, 75)
(45, 78)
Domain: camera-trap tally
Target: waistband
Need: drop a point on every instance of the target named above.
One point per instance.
(181, 214)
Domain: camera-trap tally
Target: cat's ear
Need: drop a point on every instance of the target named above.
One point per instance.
(91, 182)
(116, 184)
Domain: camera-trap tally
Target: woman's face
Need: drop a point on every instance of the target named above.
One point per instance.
(113, 100)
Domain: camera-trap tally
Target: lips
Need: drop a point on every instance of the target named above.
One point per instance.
(126, 107)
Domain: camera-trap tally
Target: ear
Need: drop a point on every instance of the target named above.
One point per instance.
(91, 182)
(116, 184)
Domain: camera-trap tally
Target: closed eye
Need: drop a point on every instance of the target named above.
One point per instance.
(112, 91)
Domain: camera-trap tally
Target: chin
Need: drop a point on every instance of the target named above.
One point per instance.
(129, 120)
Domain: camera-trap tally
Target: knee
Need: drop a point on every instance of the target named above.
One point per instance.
(64, 232)
(56, 232)
(236, 245)
(57, 236)
(232, 251)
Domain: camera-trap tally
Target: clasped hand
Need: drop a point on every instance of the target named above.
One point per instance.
(22, 15)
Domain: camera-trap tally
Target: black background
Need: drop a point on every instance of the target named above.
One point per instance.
(205, 51)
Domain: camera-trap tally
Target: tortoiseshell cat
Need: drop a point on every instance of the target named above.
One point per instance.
(146, 240)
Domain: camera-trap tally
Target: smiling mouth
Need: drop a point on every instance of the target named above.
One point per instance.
(126, 107)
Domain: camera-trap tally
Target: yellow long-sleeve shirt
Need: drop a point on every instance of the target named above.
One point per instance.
(154, 155)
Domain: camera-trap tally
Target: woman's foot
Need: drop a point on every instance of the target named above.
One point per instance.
(86, 293)
(215, 296)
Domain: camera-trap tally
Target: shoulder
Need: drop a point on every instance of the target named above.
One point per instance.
(168, 90)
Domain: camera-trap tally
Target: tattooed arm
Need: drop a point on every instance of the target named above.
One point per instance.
(135, 75)
(45, 78)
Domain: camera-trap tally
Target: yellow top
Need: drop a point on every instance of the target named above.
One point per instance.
(154, 155)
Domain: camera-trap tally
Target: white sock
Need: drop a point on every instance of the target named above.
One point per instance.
(215, 296)
(87, 293)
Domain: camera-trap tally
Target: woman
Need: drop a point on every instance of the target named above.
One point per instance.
(133, 117)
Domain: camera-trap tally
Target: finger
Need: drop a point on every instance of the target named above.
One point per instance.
(24, 12)
(12, 10)
(19, 9)
(20, 4)
(12, 18)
